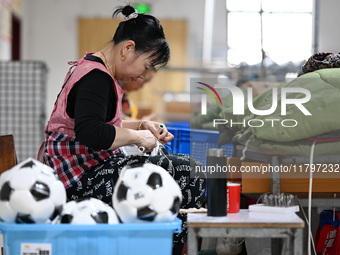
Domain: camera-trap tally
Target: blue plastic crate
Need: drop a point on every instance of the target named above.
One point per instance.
(196, 142)
(103, 239)
(181, 142)
(178, 124)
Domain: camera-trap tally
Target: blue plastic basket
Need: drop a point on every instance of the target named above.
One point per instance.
(196, 142)
(103, 239)
(178, 124)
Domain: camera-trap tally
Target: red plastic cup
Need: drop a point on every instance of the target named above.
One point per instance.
(233, 197)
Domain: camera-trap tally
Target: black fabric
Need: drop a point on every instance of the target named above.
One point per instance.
(99, 181)
(91, 103)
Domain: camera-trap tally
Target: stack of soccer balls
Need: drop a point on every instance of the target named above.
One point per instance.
(31, 192)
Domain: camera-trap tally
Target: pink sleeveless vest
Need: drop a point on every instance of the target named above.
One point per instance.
(62, 151)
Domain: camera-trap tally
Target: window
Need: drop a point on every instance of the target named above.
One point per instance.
(275, 30)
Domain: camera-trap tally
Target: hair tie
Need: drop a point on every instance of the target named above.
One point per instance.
(132, 15)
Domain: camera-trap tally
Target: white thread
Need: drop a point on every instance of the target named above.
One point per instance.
(160, 152)
(168, 148)
(244, 150)
(310, 196)
(304, 214)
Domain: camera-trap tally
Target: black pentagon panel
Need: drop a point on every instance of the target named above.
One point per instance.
(57, 211)
(155, 181)
(24, 218)
(40, 191)
(100, 217)
(176, 205)
(66, 218)
(28, 164)
(121, 192)
(5, 192)
(146, 214)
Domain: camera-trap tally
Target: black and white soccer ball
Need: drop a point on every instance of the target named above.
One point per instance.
(88, 211)
(31, 192)
(146, 193)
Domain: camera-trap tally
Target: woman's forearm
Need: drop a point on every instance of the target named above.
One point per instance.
(133, 124)
(141, 138)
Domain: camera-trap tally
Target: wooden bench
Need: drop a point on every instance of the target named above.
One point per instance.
(8, 157)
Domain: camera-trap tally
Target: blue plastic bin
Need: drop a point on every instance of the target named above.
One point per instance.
(101, 239)
(196, 142)
(178, 124)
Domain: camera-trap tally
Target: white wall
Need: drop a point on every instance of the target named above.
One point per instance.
(5, 30)
(50, 29)
(329, 37)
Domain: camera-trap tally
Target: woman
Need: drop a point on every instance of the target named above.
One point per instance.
(85, 129)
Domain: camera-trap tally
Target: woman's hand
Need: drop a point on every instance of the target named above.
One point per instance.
(159, 130)
(146, 140)
(141, 138)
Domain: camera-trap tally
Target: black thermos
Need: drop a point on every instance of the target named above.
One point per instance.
(216, 182)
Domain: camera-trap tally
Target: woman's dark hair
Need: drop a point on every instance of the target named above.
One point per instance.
(147, 33)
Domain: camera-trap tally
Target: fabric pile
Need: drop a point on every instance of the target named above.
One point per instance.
(294, 132)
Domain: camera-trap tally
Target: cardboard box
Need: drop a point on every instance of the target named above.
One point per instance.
(324, 179)
(255, 182)
(235, 164)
